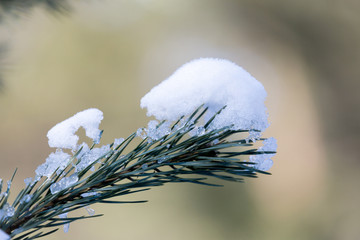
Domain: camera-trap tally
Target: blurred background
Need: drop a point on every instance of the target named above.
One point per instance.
(108, 54)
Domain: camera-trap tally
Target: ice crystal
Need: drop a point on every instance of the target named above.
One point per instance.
(57, 161)
(3, 194)
(28, 181)
(141, 133)
(118, 141)
(270, 145)
(161, 160)
(66, 225)
(197, 131)
(156, 131)
(9, 182)
(64, 183)
(90, 211)
(89, 194)
(7, 211)
(26, 198)
(263, 162)
(91, 156)
(84, 150)
(253, 136)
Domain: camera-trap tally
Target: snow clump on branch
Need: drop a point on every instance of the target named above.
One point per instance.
(215, 83)
(62, 135)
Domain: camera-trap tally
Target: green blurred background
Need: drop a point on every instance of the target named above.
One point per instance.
(108, 54)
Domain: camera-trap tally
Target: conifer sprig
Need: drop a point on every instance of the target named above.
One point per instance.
(175, 157)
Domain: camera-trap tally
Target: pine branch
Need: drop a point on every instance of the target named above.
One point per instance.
(174, 157)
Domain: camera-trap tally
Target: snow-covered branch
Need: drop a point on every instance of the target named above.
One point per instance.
(198, 109)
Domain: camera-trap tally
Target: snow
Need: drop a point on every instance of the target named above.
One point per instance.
(215, 83)
(64, 183)
(263, 162)
(57, 161)
(7, 211)
(84, 150)
(161, 160)
(66, 225)
(91, 156)
(141, 133)
(269, 145)
(62, 135)
(4, 235)
(118, 141)
(155, 130)
(63, 215)
(90, 211)
(198, 131)
(253, 136)
(89, 194)
(9, 182)
(26, 198)
(3, 194)
(28, 181)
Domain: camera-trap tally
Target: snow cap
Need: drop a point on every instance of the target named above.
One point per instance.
(215, 83)
(62, 135)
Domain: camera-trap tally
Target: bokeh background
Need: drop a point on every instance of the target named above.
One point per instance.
(108, 54)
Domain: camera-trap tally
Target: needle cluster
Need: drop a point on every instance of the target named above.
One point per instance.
(174, 157)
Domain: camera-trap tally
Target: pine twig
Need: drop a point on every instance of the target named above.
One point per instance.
(174, 157)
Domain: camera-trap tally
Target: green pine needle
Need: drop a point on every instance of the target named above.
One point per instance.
(176, 157)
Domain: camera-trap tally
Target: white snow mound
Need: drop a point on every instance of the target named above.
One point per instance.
(62, 135)
(215, 83)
